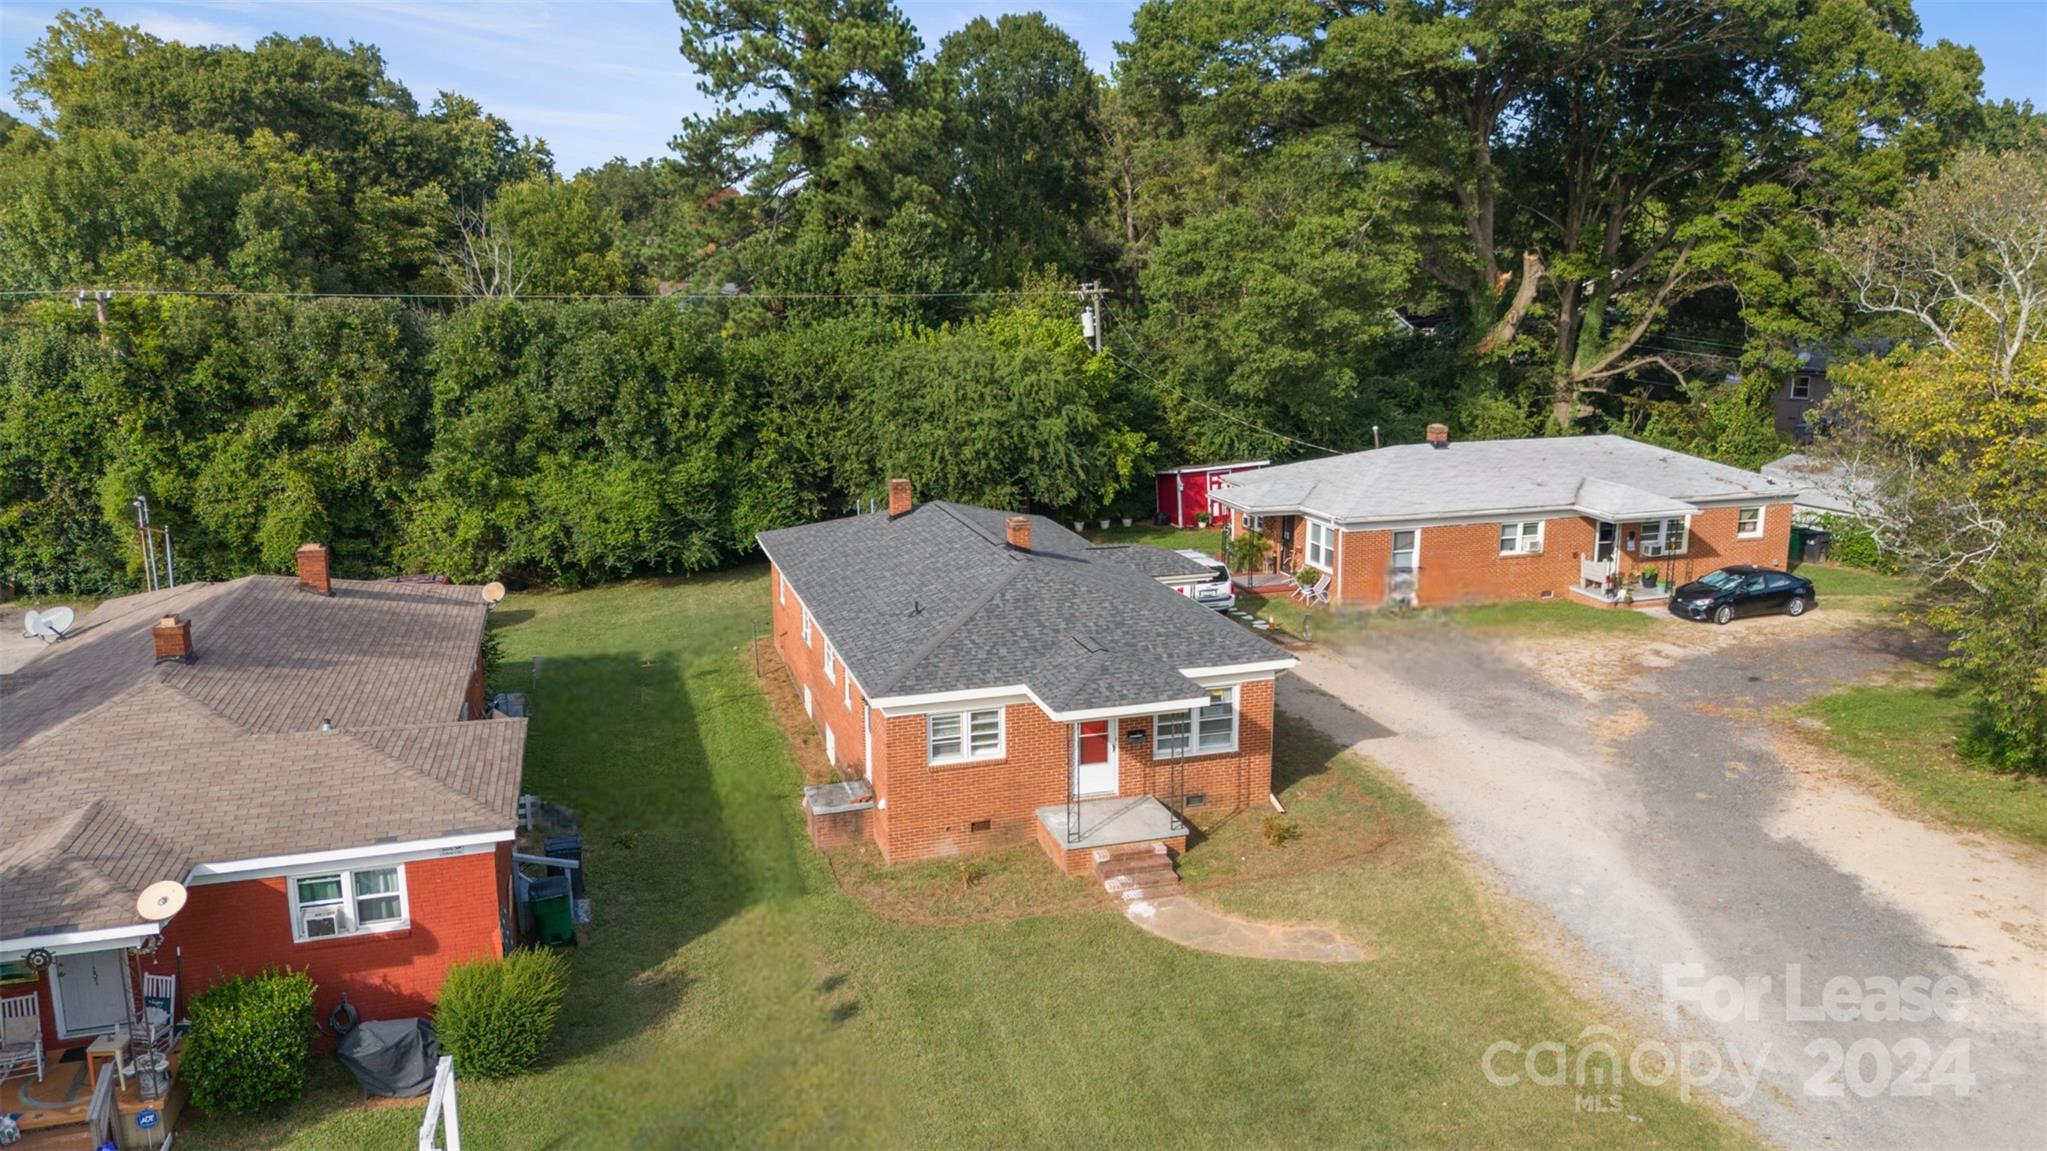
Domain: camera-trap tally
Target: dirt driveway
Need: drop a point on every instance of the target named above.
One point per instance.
(1638, 794)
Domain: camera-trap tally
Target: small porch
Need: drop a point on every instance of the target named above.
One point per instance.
(1602, 581)
(1071, 833)
(81, 1098)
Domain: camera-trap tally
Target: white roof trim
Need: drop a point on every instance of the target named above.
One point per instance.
(228, 872)
(1021, 693)
(1189, 469)
(73, 942)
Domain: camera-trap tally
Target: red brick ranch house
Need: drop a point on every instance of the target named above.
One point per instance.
(981, 677)
(312, 758)
(1437, 523)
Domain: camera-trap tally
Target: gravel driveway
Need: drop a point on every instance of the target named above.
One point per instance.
(1637, 792)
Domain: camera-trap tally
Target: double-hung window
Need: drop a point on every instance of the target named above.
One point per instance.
(806, 627)
(1663, 538)
(1405, 545)
(956, 737)
(1801, 387)
(1321, 546)
(831, 662)
(1207, 730)
(339, 903)
(1748, 523)
(1521, 539)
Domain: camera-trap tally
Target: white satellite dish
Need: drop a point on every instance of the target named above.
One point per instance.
(493, 592)
(48, 625)
(160, 900)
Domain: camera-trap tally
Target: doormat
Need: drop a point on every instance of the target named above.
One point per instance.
(72, 1055)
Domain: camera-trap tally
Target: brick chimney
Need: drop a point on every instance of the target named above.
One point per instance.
(1019, 528)
(312, 561)
(173, 638)
(898, 498)
(1439, 435)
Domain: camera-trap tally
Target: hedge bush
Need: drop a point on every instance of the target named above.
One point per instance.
(251, 1041)
(497, 1015)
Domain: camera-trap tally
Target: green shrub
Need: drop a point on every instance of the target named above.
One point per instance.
(496, 1015)
(250, 1042)
(1853, 545)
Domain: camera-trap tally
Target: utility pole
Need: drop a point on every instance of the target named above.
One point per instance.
(141, 505)
(99, 300)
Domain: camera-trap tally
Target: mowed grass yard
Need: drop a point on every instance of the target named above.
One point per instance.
(729, 993)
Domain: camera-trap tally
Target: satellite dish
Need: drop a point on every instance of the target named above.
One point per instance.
(493, 592)
(48, 625)
(160, 900)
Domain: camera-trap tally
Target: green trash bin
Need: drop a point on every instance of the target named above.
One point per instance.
(1797, 553)
(554, 913)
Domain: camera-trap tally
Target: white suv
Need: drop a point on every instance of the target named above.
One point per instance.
(1216, 591)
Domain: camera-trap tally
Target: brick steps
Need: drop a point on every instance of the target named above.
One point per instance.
(1137, 872)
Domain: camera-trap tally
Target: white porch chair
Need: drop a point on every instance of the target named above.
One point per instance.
(160, 1011)
(1319, 594)
(21, 1037)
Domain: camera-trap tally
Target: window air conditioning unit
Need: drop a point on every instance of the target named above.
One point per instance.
(321, 922)
(1652, 551)
(1531, 547)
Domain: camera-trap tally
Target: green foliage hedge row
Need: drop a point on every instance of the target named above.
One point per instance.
(251, 1041)
(495, 1016)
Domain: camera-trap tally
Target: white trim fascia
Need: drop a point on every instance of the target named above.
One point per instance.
(1498, 515)
(78, 942)
(895, 705)
(1127, 710)
(270, 865)
(1268, 665)
(1192, 469)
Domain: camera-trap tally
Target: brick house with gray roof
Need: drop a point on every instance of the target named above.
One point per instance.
(1578, 517)
(981, 677)
(312, 758)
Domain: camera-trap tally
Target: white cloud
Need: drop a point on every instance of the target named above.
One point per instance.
(187, 28)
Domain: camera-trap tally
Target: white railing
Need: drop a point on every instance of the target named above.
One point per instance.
(1595, 571)
(440, 1111)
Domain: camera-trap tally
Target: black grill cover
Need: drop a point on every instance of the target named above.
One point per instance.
(392, 1056)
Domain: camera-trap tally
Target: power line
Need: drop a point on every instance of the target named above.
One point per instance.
(1224, 413)
(240, 293)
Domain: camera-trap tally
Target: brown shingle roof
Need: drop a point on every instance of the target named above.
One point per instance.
(116, 771)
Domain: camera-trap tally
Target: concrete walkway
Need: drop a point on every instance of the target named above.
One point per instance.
(1189, 924)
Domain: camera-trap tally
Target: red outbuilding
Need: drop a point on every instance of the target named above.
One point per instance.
(1183, 492)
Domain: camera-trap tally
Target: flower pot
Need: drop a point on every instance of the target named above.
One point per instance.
(1105, 525)
(1126, 521)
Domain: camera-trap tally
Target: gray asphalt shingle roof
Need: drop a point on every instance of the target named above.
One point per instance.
(935, 601)
(1483, 477)
(116, 771)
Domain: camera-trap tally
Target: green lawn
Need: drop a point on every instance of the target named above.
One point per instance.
(1910, 738)
(730, 994)
(1208, 540)
(1832, 583)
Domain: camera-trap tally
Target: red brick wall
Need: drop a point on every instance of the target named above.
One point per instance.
(930, 809)
(1461, 563)
(245, 926)
(455, 905)
(473, 697)
(806, 664)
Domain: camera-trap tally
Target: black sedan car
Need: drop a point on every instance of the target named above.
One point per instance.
(1741, 590)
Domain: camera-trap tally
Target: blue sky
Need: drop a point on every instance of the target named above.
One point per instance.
(602, 78)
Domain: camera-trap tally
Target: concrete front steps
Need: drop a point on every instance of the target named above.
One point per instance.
(1137, 871)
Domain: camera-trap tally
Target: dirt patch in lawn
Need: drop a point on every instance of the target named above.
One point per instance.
(806, 746)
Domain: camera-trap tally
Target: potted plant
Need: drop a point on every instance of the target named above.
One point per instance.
(1649, 575)
(1246, 551)
(1307, 576)
(1201, 521)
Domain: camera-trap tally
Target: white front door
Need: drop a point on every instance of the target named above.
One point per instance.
(88, 990)
(1094, 757)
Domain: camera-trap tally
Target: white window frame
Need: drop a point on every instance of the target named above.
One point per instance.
(347, 924)
(781, 587)
(965, 721)
(1522, 537)
(807, 627)
(1801, 387)
(831, 746)
(806, 701)
(847, 690)
(1754, 533)
(1327, 546)
(1393, 549)
(1197, 727)
(831, 660)
(1684, 538)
